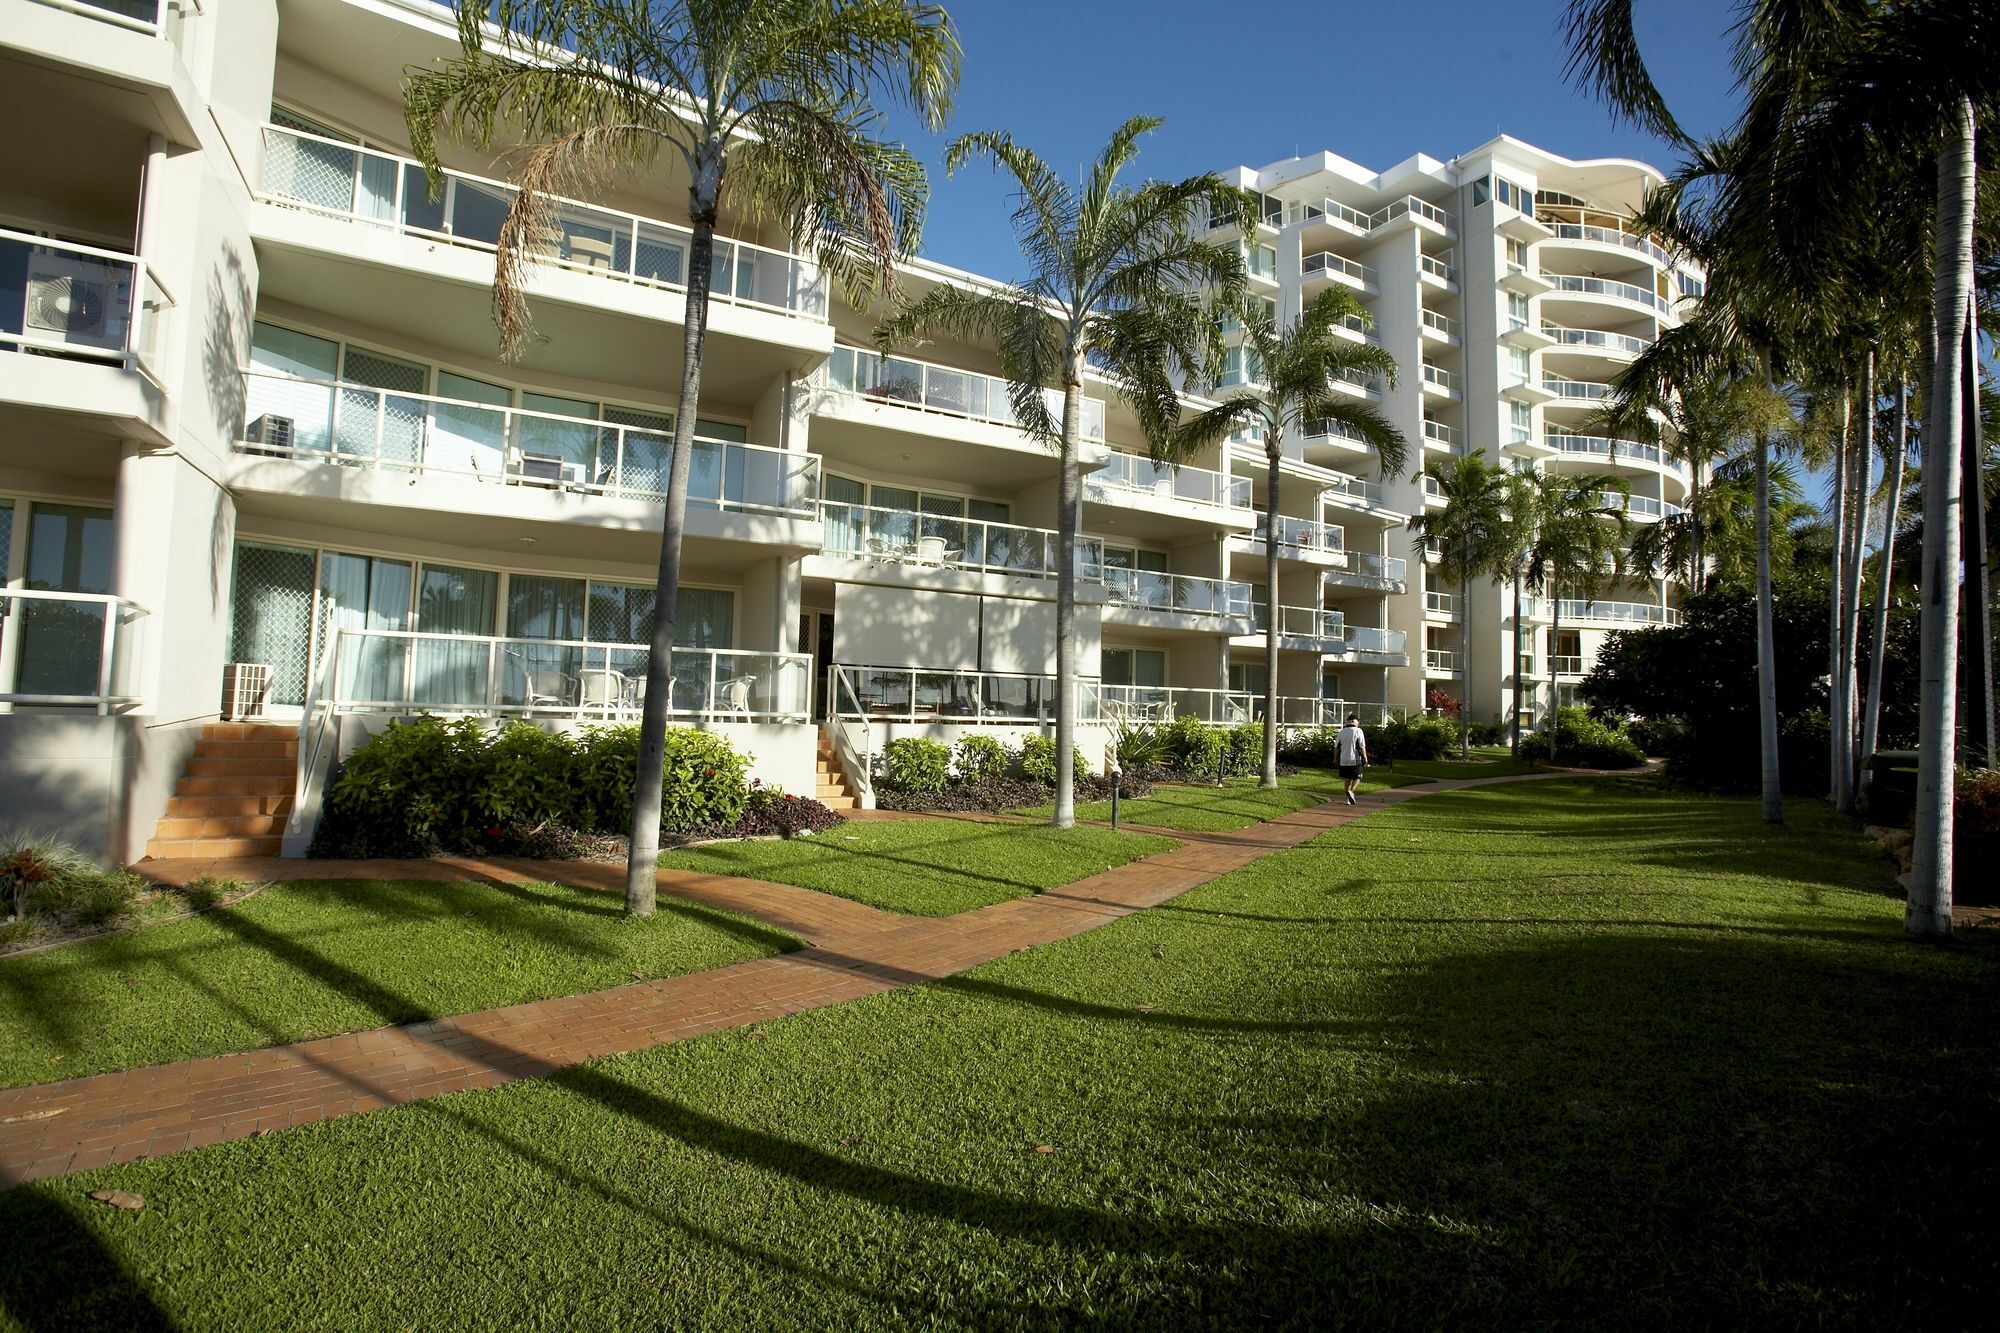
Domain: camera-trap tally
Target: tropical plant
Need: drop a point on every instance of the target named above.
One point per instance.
(765, 107)
(1303, 365)
(1474, 535)
(1119, 287)
(1577, 547)
(916, 764)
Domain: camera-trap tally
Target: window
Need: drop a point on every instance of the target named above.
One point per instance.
(1690, 285)
(1523, 421)
(1146, 667)
(1482, 190)
(1247, 677)
(1242, 366)
(1517, 311)
(1518, 362)
(1517, 253)
(1517, 197)
(1126, 557)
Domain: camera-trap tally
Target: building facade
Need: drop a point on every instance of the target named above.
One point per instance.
(259, 457)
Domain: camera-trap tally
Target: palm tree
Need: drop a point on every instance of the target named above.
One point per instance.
(1302, 365)
(1511, 562)
(766, 105)
(1577, 547)
(1895, 451)
(1472, 534)
(1119, 286)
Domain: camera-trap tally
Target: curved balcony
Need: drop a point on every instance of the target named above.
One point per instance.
(1126, 476)
(1576, 285)
(1616, 452)
(1621, 346)
(924, 386)
(1613, 237)
(1576, 393)
(1620, 613)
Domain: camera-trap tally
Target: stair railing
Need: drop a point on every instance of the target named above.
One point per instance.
(843, 723)
(316, 742)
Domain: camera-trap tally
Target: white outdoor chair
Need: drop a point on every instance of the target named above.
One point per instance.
(736, 694)
(603, 689)
(930, 551)
(544, 689)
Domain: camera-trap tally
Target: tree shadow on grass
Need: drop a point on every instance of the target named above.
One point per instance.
(60, 1276)
(827, 846)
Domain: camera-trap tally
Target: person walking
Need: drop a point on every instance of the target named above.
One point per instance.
(1353, 753)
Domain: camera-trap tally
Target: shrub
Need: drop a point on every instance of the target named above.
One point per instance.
(1191, 745)
(1490, 733)
(1412, 738)
(411, 789)
(1657, 736)
(1584, 742)
(529, 779)
(1038, 761)
(1315, 748)
(1245, 748)
(915, 763)
(771, 810)
(206, 891)
(51, 879)
(703, 787)
(1975, 834)
(1140, 745)
(979, 758)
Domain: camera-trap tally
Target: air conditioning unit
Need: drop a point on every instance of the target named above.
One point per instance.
(272, 431)
(246, 688)
(76, 302)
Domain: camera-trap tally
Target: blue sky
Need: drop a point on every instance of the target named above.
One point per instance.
(1372, 82)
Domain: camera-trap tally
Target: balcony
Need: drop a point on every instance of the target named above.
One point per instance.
(1618, 291)
(1353, 491)
(1438, 380)
(1162, 703)
(1528, 337)
(1437, 271)
(1621, 613)
(1622, 346)
(1643, 506)
(1441, 604)
(1437, 327)
(121, 47)
(869, 694)
(1575, 393)
(1440, 662)
(1380, 642)
(1409, 206)
(1331, 211)
(1433, 493)
(356, 185)
(1176, 594)
(1341, 269)
(413, 436)
(397, 671)
(1382, 573)
(1437, 435)
(1566, 666)
(923, 386)
(1616, 451)
(934, 541)
(1526, 282)
(1325, 628)
(81, 302)
(1533, 392)
(69, 650)
(1300, 538)
(1126, 477)
(1611, 236)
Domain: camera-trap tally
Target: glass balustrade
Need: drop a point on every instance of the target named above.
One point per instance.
(1129, 474)
(943, 541)
(1185, 594)
(79, 301)
(966, 698)
(905, 382)
(1624, 291)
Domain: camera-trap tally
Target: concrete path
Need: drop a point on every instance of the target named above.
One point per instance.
(853, 950)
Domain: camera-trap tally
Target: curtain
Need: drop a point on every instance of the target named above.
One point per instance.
(298, 356)
(469, 438)
(456, 602)
(542, 607)
(845, 523)
(361, 592)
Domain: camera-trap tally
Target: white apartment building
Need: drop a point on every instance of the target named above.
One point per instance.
(260, 461)
(1510, 288)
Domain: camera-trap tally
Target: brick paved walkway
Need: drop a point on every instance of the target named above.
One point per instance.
(853, 950)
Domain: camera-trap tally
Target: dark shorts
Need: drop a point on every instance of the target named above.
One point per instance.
(1350, 770)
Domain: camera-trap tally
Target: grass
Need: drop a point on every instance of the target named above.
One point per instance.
(1565, 1052)
(927, 867)
(314, 958)
(1237, 803)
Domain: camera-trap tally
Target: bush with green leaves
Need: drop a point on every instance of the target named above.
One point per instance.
(1315, 747)
(530, 780)
(1140, 745)
(1038, 761)
(1582, 741)
(412, 789)
(1245, 745)
(915, 763)
(1659, 736)
(1412, 738)
(979, 758)
(1191, 745)
(704, 781)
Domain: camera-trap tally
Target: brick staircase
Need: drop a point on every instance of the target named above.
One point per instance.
(831, 785)
(235, 796)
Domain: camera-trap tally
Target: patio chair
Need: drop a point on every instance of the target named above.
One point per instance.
(603, 689)
(544, 689)
(736, 694)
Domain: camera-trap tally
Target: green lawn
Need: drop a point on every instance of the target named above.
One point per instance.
(313, 958)
(1556, 1053)
(1237, 803)
(929, 867)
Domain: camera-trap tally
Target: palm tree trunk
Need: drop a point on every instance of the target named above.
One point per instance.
(1066, 524)
(1976, 636)
(1836, 602)
(643, 859)
(1464, 663)
(1520, 676)
(1767, 655)
(1555, 676)
(1871, 714)
(1273, 451)
(1863, 453)
(1928, 913)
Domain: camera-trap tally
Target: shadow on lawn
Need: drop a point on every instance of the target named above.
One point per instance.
(829, 844)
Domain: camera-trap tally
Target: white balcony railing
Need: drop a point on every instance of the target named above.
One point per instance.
(1441, 603)
(156, 18)
(412, 434)
(1376, 569)
(1328, 262)
(1302, 534)
(1163, 703)
(396, 671)
(1643, 505)
(1617, 451)
(1631, 613)
(1438, 268)
(1182, 594)
(1571, 231)
(1439, 377)
(1441, 661)
(1128, 474)
(1439, 433)
(1624, 291)
(1304, 622)
(1410, 204)
(1566, 666)
(925, 386)
(1370, 639)
(69, 650)
(360, 185)
(1332, 210)
(979, 698)
(1349, 487)
(1437, 323)
(1623, 344)
(1431, 489)
(1577, 390)
(79, 301)
(943, 541)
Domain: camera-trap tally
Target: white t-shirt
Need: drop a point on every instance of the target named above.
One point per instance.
(1353, 746)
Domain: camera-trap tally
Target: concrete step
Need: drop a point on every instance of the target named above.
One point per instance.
(249, 731)
(237, 785)
(221, 826)
(182, 849)
(209, 807)
(272, 747)
(838, 802)
(272, 766)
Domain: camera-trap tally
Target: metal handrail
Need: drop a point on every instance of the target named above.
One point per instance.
(315, 726)
(364, 414)
(1573, 231)
(1301, 533)
(1326, 261)
(858, 761)
(1619, 342)
(1437, 268)
(587, 236)
(126, 329)
(1624, 291)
